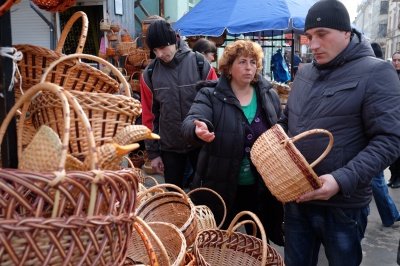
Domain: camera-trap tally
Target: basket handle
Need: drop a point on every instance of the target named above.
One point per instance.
(157, 188)
(239, 224)
(142, 226)
(260, 226)
(93, 58)
(67, 28)
(216, 194)
(67, 101)
(310, 132)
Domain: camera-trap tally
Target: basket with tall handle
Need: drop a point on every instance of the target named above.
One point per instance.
(71, 74)
(107, 113)
(64, 217)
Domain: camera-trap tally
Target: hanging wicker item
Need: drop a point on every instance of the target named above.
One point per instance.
(54, 5)
(115, 26)
(6, 6)
(105, 24)
(125, 36)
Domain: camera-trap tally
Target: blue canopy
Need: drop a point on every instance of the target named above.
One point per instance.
(213, 17)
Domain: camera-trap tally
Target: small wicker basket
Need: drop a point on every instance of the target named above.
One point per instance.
(125, 36)
(105, 24)
(115, 26)
(283, 168)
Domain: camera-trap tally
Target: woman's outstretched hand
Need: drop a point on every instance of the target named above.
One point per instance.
(202, 131)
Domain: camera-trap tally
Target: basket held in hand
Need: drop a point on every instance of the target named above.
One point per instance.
(283, 168)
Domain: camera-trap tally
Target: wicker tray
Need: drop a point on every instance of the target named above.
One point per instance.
(283, 168)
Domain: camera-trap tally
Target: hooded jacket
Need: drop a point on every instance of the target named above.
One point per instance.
(220, 160)
(167, 98)
(357, 98)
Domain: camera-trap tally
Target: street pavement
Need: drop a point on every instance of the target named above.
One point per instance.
(379, 244)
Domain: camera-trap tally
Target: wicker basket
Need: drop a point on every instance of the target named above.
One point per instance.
(283, 168)
(171, 207)
(168, 242)
(147, 21)
(112, 36)
(115, 26)
(227, 247)
(105, 24)
(64, 218)
(54, 5)
(70, 74)
(138, 57)
(124, 47)
(125, 36)
(107, 113)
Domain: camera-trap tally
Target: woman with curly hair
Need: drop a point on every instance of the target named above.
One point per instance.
(227, 116)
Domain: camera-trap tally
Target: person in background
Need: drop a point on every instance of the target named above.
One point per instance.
(207, 48)
(167, 89)
(394, 181)
(296, 62)
(384, 203)
(356, 97)
(226, 118)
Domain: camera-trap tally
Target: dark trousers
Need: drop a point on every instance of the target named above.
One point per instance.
(175, 165)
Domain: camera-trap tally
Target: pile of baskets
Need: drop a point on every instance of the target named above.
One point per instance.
(51, 215)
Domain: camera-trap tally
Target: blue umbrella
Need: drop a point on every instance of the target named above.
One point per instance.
(213, 17)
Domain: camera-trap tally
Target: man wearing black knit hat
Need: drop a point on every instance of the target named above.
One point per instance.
(167, 90)
(355, 96)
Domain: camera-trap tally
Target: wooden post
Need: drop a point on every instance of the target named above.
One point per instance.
(9, 158)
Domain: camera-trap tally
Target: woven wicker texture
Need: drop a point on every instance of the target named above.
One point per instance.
(105, 24)
(190, 259)
(64, 218)
(107, 113)
(283, 168)
(170, 207)
(140, 247)
(70, 74)
(204, 215)
(44, 145)
(170, 239)
(133, 134)
(95, 240)
(139, 57)
(124, 47)
(115, 26)
(125, 36)
(54, 5)
(227, 248)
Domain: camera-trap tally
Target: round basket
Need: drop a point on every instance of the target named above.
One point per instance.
(105, 24)
(170, 242)
(283, 168)
(125, 36)
(227, 247)
(135, 81)
(112, 36)
(124, 47)
(107, 113)
(138, 56)
(59, 217)
(170, 207)
(115, 26)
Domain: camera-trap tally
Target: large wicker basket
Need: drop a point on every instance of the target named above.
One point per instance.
(227, 247)
(54, 5)
(107, 113)
(59, 217)
(283, 168)
(70, 74)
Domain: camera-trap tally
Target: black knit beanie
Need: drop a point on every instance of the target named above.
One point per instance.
(160, 33)
(328, 14)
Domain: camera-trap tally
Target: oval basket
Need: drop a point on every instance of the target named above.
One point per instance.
(227, 247)
(170, 207)
(283, 168)
(59, 217)
(107, 113)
